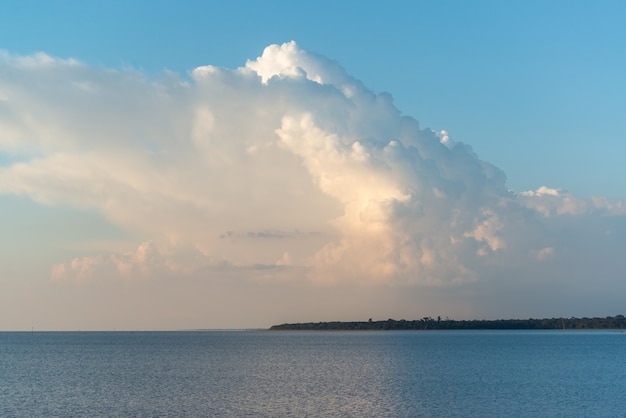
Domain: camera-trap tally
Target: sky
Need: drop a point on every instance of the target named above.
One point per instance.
(244, 164)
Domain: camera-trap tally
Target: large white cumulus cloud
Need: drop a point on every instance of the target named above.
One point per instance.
(285, 163)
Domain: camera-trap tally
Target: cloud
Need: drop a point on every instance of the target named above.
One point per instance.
(543, 253)
(145, 262)
(287, 161)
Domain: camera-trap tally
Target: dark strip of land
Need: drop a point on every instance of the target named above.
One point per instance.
(428, 323)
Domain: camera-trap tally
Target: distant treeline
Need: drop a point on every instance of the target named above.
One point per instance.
(428, 323)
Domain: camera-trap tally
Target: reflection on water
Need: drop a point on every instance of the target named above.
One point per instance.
(394, 374)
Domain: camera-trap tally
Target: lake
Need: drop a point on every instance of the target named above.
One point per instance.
(313, 373)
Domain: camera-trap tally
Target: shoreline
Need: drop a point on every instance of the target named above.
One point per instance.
(617, 322)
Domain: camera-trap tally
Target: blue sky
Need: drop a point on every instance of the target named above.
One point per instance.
(536, 88)
(167, 166)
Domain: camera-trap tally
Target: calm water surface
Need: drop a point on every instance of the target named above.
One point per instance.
(314, 374)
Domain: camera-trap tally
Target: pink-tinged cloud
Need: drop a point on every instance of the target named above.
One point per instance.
(290, 167)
